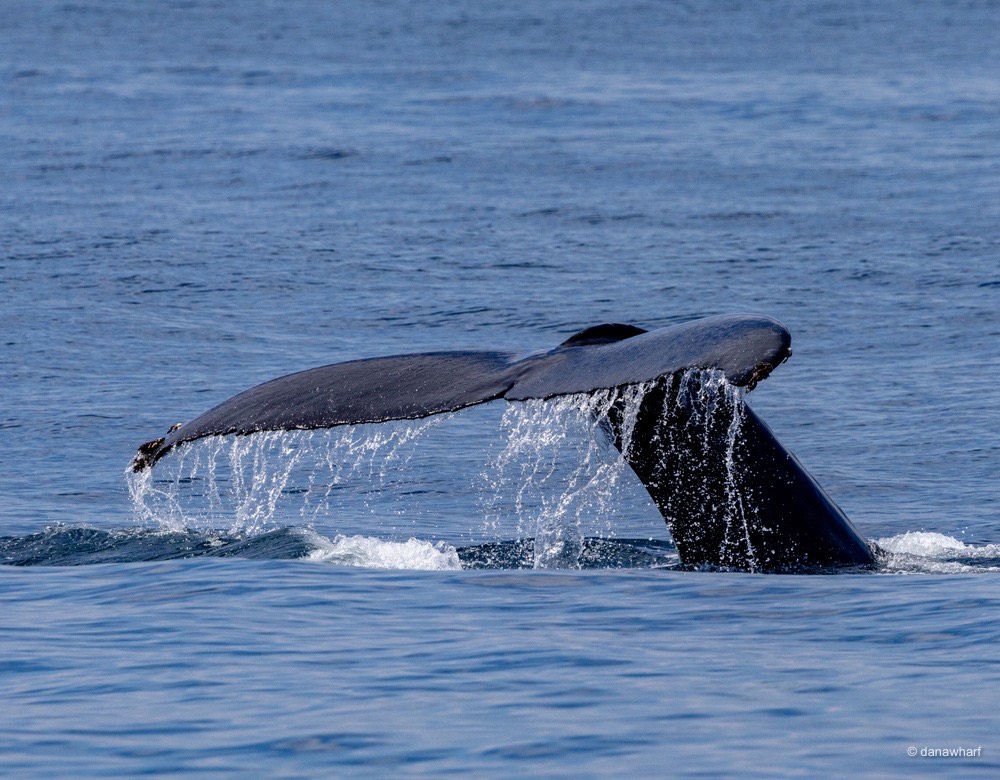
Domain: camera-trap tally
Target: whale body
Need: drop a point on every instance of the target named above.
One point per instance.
(732, 496)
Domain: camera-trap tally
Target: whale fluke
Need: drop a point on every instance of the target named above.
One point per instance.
(744, 349)
(406, 387)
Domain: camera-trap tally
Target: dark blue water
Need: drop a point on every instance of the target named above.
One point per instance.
(200, 196)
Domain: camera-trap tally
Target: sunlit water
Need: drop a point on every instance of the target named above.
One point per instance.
(200, 197)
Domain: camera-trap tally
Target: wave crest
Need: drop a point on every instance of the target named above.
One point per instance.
(931, 552)
(373, 553)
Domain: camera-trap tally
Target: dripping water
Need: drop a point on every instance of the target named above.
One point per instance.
(251, 484)
(555, 480)
(712, 402)
(561, 474)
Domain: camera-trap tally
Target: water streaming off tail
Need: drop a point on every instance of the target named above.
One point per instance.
(715, 412)
(568, 481)
(554, 477)
(562, 476)
(253, 483)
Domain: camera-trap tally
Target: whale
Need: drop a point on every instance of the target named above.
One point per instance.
(732, 496)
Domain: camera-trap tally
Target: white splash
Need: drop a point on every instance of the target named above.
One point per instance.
(930, 552)
(371, 553)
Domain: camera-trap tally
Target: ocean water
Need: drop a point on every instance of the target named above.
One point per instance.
(198, 197)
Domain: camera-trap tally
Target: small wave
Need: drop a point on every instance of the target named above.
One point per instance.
(595, 553)
(62, 545)
(930, 552)
(370, 552)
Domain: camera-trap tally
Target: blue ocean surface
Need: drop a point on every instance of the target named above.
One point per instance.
(200, 196)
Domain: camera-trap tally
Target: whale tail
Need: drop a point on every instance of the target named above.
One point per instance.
(731, 495)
